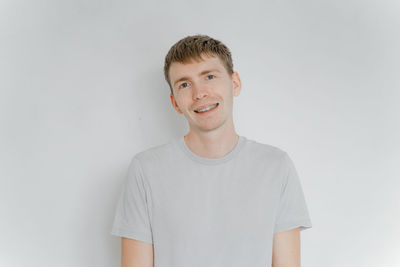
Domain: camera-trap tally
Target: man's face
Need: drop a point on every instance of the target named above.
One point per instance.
(197, 84)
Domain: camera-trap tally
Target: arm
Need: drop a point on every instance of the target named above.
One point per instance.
(286, 249)
(136, 253)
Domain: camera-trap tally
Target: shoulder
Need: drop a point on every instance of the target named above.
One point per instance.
(265, 151)
(157, 154)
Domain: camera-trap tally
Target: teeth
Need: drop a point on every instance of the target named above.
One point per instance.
(207, 108)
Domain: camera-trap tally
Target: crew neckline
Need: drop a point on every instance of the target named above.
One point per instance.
(211, 161)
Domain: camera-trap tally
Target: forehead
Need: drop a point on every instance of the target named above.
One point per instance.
(193, 67)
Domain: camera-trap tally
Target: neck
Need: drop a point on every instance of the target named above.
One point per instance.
(211, 145)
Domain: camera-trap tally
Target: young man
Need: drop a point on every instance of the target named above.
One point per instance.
(211, 197)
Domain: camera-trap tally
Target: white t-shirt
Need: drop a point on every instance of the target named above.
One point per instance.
(210, 212)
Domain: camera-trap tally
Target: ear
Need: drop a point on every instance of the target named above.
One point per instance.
(237, 84)
(174, 104)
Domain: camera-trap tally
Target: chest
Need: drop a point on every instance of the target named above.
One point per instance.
(226, 204)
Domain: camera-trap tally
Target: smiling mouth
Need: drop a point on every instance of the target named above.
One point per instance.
(211, 107)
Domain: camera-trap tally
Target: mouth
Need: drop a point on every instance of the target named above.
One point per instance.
(207, 109)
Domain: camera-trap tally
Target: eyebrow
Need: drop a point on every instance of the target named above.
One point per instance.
(200, 74)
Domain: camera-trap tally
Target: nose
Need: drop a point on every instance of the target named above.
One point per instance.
(199, 91)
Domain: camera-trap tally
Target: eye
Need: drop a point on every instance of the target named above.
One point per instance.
(183, 85)
(211, 75)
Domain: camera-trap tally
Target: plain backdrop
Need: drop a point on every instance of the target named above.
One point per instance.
(82, 91)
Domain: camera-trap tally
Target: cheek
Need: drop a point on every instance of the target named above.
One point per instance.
(228, 91)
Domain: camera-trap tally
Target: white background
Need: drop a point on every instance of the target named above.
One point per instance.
(82, 91)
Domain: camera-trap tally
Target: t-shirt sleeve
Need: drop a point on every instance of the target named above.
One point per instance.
(292, 209)
(132, 218)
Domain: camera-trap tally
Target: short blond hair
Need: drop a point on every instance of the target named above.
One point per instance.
(192, 47)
